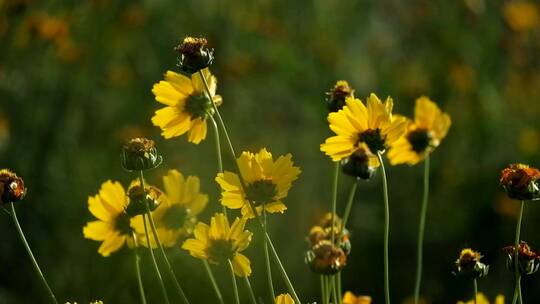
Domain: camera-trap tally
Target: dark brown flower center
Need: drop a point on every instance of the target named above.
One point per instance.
(261, 192)
(175, 217)
(373, 139)
(420, 140)
(122, 224)
(220, 250)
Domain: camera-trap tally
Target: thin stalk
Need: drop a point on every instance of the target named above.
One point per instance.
(156, 268)
(323, 290)
(218, 153)
(334, 289)
(328, 290)
(31, 255)
(338, 286)
(386, 231)
(350, 201)
(267, 259)
(160, 246)
(213, 281)
(235, 287)
(475, 283)
(138, 268)
(334, 200)
(421, 228)
(250, 289)
(517, 289)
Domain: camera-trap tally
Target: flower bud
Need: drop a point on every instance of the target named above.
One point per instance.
(528, 260)
(521, 182)
(140, 154)
(11, 187)
(469, 266)
(326, 258)
(335, 99)
(323, 231)
(358, 165)
(138, 199)
(194, 55)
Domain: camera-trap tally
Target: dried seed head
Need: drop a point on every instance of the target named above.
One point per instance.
(323, 232)
(326, 258)
(11, 187)
(468, 264)
(335, 98)
(194, 55)
(138, 199)
(140, 154)
(521, 182)
(528, 260)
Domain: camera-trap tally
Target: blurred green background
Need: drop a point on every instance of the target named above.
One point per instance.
(75, 82)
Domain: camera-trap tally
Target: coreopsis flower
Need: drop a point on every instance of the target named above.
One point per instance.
(335, 99)
(194, 55)
(522, 16)
(220, 242)
(323, 232)
(468, 264)
(528, 259)
(176, 215)
(326, 258)
(140, 154)
(187, 105)
(267, 183)
(113, 227)
(423, 135)
(284, 298)
(360, 164)
(12, 187)
(521, 182)
(358, 126)
(482, 299)
(351, 298)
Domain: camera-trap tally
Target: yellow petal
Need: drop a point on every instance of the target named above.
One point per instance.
(166, 94)
(201, 232)
(338, 147)
(219, 227)
(97, 208)
(241, 265)
(284, 298)
(198, 131)
(229, 181)
(192, 187)
(180, 83)
(196, 248)
(113, 243)
(173, 183)
(113, 197)
(237, 228)
(197, 205)
(275, 207)
(98, 230)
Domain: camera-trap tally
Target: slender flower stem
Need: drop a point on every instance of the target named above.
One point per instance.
(350, 201)
(31, 255)
(235, 287)
(334, 200)
(250, 289)
(213, 281)
(138, 268)
(156, 268)
(160, 246)
(386, 231)
(517, 289)
(338, 286)
(218, 153)
(267, 259)
(334, 289)
(475, 291)
(323, 290)
(328, 290)
(421, 227)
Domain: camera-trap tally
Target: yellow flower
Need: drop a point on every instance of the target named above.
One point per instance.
(176, 215)
(423, 135)
(357, 126)
(350, 298)
(220, 242)
(187, 105)
(522, 15)
(482, 299)
(267, 182)
(284, 298)
(114, 227)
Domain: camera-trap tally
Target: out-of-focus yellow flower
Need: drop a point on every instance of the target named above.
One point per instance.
(113, 227)
(176, 215)
(187, 105)
(482, 299)
(220, 242)
(462, 78)
(284, 298)
(423, 135)
(357, 125)
(529, 141)
(267, 182)
(521, 15)
(351, 298)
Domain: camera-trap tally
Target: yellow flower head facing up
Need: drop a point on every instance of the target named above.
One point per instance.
(221, 242)
(423, 135)
(351, 298)
(267, 183)
(284, 298)
(113, 227)
(187, 107)
(358, 126)
(482, 299)
(176, 215)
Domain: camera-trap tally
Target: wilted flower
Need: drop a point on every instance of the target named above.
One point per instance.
(11, 187)
(326, 258)
(351, 298)
(140, 154)
(139, 199)
(336, 97)
(521, 182)
(528, 260)
(360, 164)
(194, 55)
(468, 264)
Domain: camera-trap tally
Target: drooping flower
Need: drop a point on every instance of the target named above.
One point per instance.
(528, 259)
(284, 298)
(187, 105)
(267, 182)
(113, 227)
(220, 242)
(351, 298)
(12, 187)
(423, 135)
(521, 182)
(358, 126)
(335, 99)
(482, 299)
(176, 215)
(469, 265)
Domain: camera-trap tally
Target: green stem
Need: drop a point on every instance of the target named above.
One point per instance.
(31, 255)
(517, 289)
(267, 259)
(218, 152)
(386, 231)
(213, 281)
(250, 289)
(156, 268)
(334, 200)
(421, 228)
(350, 201)
(475, 291)
(235, 287)
(160, 246)
(328, 289)
(323, 290)
(138, 268)
(338, 286)
(334, 289)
